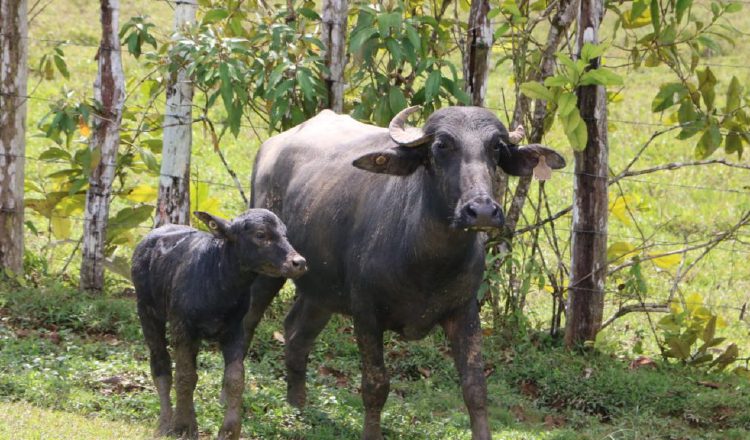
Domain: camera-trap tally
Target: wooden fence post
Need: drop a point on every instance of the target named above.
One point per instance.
(109, 92)
(14, 45)
(477, 54)
(173, 203)
(333, 34)
(588, 267)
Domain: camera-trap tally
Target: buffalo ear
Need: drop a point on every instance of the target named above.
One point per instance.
(219, 227)
(399, 161)
(520, 161)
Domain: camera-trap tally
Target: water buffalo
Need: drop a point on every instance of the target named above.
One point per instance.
(199, 283)
(390, 221)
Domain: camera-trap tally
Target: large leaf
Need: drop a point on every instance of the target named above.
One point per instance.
(536, 90)
(142, 194)
(432, 85)
(669, 95)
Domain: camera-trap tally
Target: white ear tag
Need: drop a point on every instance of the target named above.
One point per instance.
(542, 171)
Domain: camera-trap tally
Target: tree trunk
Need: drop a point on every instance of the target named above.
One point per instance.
(588, 267)
(477, 53)
(333, 35)
(109, 91)
(13, 77)
(173, 205)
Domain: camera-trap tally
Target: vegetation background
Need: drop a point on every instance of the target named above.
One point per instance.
(75, 366)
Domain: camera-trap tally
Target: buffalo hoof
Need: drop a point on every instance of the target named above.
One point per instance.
(296, 398)
(188, 431)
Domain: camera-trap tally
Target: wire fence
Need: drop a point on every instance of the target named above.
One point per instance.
(615, 296)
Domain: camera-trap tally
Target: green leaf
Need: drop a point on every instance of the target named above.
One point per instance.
(734, 95)
(591, 51)
(601, 76)
(556, 81)
(215, 15)
(127, 219)
(678, 348)
(655, 20)
(305, 83)
(709, 142)
(710, 331)
(726, 358)
(733, 143)
(733, 7)
(669, 95)
(639, 7)
(566, 103)
(575, 130)
(226, 87)
(681, 7)
(432, 85)
(536, 90)
(397, 100)
(360, 36)
(61, 66)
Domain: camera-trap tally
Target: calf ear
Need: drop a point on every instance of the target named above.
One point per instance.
(399, 161)
(219, 227)
(520, 161)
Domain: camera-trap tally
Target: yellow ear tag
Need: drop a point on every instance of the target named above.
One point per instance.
(212, 224)
(381, 160)
(542, 171)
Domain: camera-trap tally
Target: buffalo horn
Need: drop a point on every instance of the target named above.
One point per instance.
(403, 135)
(517, 135)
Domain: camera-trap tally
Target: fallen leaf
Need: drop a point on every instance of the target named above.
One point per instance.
(642, 361)
(425, 372)
(709, 384)
(554, 421)
(279, 337)
(530, 389)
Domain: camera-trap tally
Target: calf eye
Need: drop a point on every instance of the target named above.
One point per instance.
(260, 235)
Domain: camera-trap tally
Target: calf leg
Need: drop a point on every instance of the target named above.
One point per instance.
(375, 380)
(465, 336)
(302, 325)
(154, 331)
(234, 383)
(186, 351)
(262, 292)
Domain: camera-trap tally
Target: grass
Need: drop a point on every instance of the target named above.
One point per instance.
(53, 363)
(21, 421)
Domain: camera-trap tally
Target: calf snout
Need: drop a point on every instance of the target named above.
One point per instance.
(294, 266)
(481, 212)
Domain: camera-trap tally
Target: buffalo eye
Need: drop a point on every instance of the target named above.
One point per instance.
(260, 235)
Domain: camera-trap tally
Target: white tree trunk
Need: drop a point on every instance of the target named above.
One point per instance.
(477, 53)
(335, 13)
(173, 205)
(13, 77)
(109, 90)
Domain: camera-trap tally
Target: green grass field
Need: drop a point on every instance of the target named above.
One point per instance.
(73, 367)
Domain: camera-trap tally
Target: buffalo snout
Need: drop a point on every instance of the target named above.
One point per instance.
(480, 212)
(294, 267)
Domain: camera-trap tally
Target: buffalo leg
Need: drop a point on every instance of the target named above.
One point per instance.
(302, 325)
(375, 380)
(154, 331)
(262, 292)
(233, 386)
(186, 376)
(465, 336)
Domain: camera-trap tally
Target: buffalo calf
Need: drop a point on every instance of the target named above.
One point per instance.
(199, 284)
